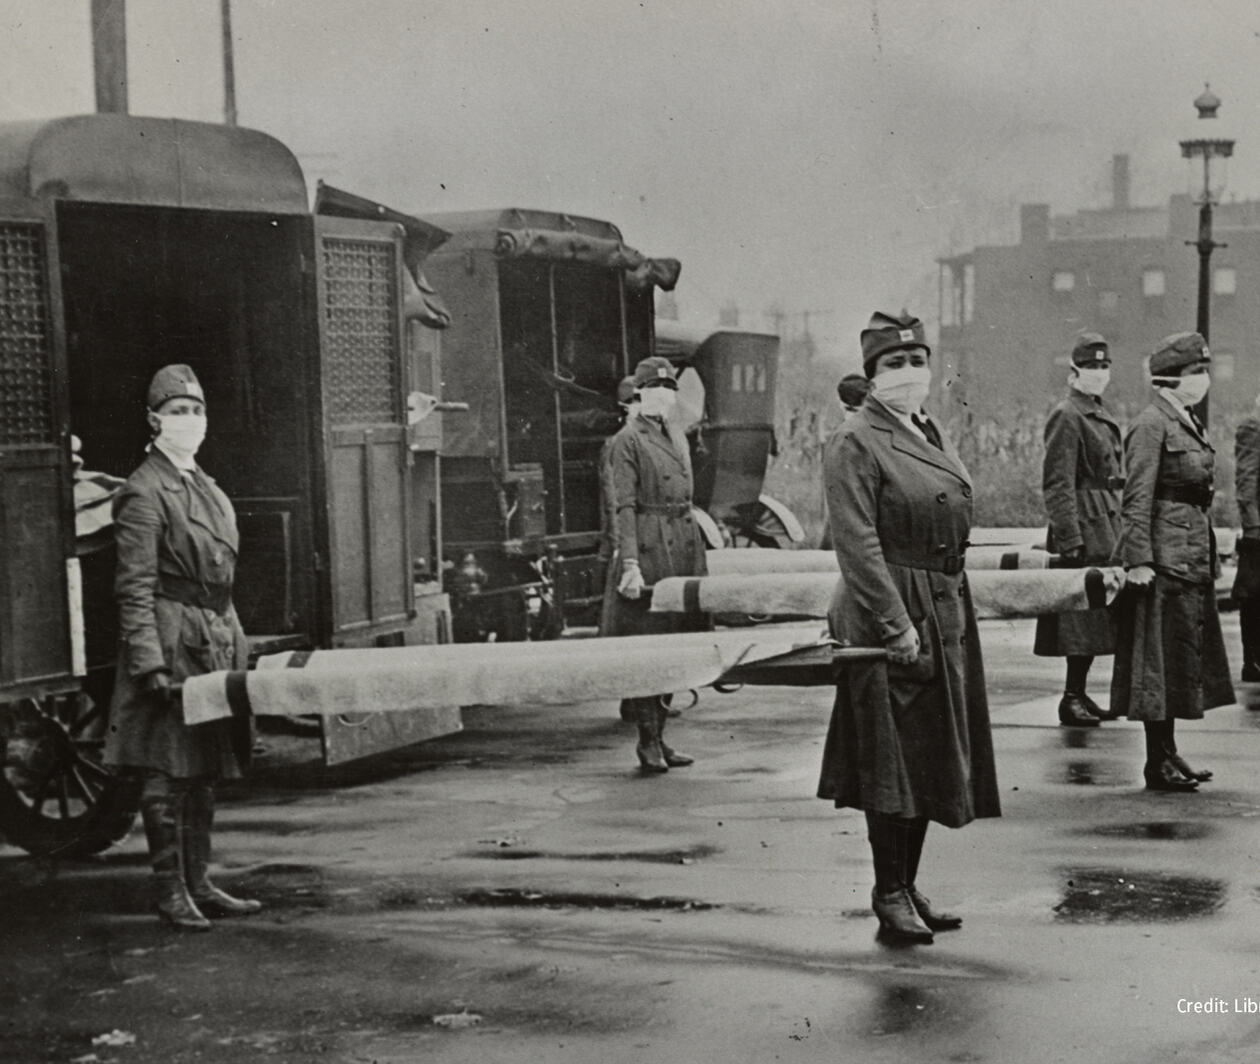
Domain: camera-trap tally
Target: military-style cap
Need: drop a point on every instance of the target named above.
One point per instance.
(174, 382)
(654, 369)
(890, 332)
(1173, 353)
(853, 388)
(625, 390)
(1089, 347)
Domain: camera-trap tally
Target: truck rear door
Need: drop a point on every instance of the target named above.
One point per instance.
(359, 274)
(37, 562)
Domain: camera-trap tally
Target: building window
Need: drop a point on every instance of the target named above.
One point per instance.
(1222, 367)
(1063, 282)
(1108, 303)
(1153, 283)
(968, 293)
(1225, 281)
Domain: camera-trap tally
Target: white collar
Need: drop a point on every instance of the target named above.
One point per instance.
(184, 465)
(1175, 401)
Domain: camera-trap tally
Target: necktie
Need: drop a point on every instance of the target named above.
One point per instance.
(1194, 420)
(929, 430)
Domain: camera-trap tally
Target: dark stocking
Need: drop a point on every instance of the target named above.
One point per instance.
(1077, 673)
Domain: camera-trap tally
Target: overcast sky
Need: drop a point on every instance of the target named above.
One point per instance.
(815, 153)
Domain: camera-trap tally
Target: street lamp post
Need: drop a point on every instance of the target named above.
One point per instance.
(1213, 151)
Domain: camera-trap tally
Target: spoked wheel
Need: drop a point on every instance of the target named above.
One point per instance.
(56, 798)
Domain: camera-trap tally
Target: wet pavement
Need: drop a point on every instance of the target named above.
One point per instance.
(518, 892)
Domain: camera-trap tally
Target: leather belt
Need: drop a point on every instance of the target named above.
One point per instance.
(215, 597)
(1200, 496)
(1101, 484)
(663, 509)
(949, 564)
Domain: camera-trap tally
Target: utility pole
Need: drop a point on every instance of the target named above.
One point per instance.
(229, 65)
(109, 55)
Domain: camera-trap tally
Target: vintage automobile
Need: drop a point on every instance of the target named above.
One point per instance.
(727, 377)
(127, 243)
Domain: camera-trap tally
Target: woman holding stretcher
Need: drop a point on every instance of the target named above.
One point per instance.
(909, 739)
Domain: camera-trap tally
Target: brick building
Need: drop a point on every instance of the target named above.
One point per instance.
(1009, 313)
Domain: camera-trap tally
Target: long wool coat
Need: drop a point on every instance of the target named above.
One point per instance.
(1247, 491)
(907, 740)
(1081, 488)
(177, 540)
(1170, 655)
(649, 476)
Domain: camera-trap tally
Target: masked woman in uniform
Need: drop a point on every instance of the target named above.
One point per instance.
(654, 536)
(909, 740)
(177, 543)
(1170, 656)
(1081, 482)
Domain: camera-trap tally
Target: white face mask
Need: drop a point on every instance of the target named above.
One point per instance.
(182, 434)
(902, 389)
(657, 402)
(1190, 390)
(1091, 381)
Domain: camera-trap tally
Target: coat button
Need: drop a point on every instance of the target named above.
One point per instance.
(942, 548)
(938, 594)
(942, 497)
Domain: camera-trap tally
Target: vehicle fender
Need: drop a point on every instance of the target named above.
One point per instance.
(783, 516)
(708, 529)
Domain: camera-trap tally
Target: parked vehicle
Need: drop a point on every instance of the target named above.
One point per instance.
(551, 311)
(129, 243)
(728, 378)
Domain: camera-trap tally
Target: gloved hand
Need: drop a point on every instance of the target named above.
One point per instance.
(631, 584)
(1074, 558)
(1139, 576)
(903, 649)
(156, 686)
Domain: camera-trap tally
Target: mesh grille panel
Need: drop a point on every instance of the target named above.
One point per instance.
(360, 324)
(25, 410)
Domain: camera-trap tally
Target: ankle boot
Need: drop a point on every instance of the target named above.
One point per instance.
(673, 758)
(936, 921)
(163, 831)
(198, 818)
(1200, 775)
(651, 756)
(1164, 776)
(898, 919)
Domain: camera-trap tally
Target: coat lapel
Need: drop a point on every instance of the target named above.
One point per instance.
(1091, 408)
(665, 444)
(1174, 415)
(205, 502)
(911, 443)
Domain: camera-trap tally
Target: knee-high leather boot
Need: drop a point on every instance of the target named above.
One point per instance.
(198, 818)
(673, 758)
(161, 811)
(890, 839)
(935, 919)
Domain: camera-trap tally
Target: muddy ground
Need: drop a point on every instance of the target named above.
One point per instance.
(518, 892)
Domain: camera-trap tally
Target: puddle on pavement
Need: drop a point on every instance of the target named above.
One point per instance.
(672, 857)
(1091, 773)
(285, 886)
(511, 897)
(1163, 830)
(1101, 895)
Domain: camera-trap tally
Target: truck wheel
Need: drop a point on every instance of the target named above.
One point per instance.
(56, 798)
